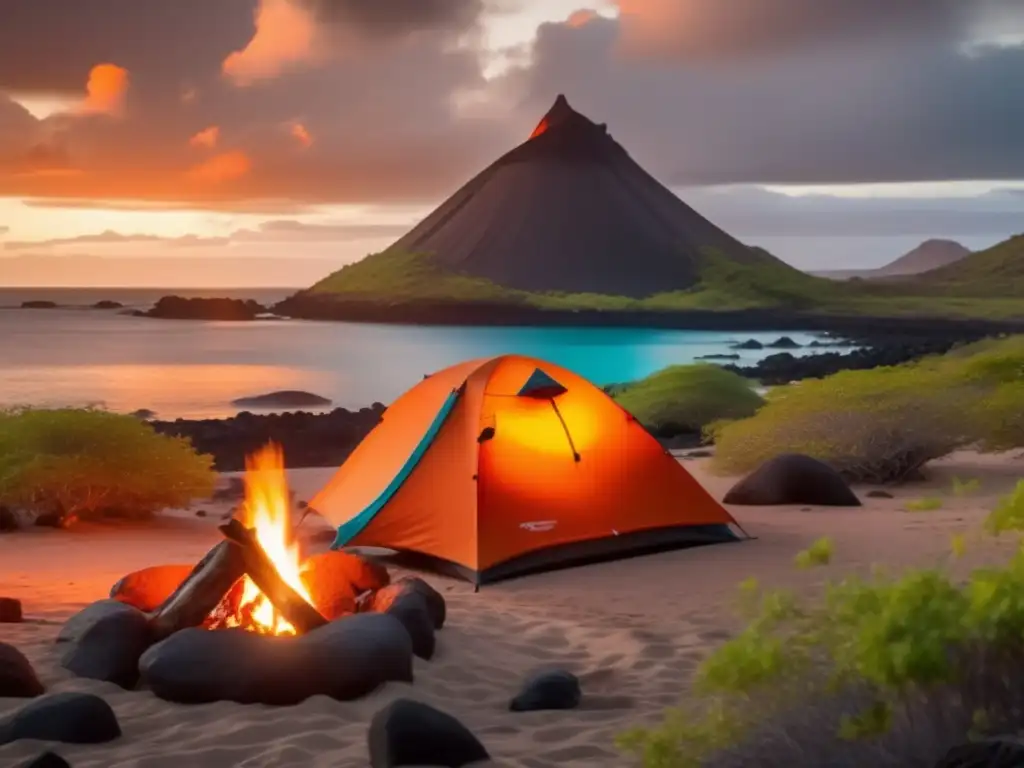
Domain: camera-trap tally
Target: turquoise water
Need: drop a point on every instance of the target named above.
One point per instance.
(187, 369)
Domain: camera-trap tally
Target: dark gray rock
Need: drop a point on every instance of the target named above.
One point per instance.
(748, 344)
(879, 495)
(110, 648)
(435, 600)
(10, 611)
(47, 760)
(409, 732)
(70, 718)
(345, 660)
(988, 753)
(410, 607)
(81, 622)
(18, 679)
(555, 689)
(792, 478)
(783, 342)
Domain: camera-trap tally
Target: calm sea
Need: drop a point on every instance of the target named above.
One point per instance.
(76, 356)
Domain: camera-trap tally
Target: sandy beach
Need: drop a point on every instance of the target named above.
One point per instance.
(633, 630)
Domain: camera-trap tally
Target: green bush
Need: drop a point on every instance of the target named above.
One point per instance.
(685, 398)
(881, 671)
(88, 463)
(883, 425)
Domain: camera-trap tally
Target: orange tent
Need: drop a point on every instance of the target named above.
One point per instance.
(502, 466)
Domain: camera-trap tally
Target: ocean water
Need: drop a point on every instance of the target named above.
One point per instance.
(76, 356)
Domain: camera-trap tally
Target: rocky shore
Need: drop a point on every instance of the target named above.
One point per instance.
(326, 439)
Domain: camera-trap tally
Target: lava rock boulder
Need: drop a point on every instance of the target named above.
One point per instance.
(408, 732)
(110, 648)
(149, 588)
(79, 624)
(345, 660)
(10, 611)
(47, 760)
(18, 680)
(555, 689)
(409, 606)
(792, 478)
(71, 718)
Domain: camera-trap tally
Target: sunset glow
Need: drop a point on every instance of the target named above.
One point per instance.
(106, 90)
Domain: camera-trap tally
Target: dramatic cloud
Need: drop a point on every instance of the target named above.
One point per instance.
(206, 138)
(395, 17)
(286, 38)
(227, 166)
(287, 231)
(715, 29)
(106, 90)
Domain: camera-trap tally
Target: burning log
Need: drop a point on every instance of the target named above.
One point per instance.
(202, 591)
(259, 567)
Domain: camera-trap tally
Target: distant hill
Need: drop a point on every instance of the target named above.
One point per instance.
(996, 271)
(929, 255)
(568, 216)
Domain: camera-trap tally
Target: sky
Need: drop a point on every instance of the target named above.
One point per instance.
(245, 143)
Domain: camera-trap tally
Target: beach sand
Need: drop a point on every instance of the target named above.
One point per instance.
(633, 630)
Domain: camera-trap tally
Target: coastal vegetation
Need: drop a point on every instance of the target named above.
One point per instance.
(883, 671)
(70, 463)
(883, 425)
(985, 285)
(686, 398)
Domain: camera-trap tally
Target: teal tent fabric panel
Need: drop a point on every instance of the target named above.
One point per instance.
(348, 530)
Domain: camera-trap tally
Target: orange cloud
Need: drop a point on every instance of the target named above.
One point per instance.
(581, 17)
(206, 138)
(220, 168)
(301, 135)
(106, 90)
(285, 38)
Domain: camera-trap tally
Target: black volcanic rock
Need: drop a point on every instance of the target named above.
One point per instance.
(555, 689)
(10, 611)
(47, 759)
(39, 304)
(409, 733)
(792, 478)
(71, 718)
(18, 680)
(107, 304)
(179, 308)
(282, 399)
(308, 440)
(109, 650)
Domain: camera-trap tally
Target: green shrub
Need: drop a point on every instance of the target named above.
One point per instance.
(927, 504)
(90, 463)
(882, 671)
(964, 488)
(883, 425)
(685, 398)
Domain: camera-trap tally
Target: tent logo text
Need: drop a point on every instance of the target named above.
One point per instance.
(539, 526)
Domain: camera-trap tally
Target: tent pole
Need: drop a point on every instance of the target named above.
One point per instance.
(565, 428)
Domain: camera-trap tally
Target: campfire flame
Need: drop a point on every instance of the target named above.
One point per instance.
(267, 511)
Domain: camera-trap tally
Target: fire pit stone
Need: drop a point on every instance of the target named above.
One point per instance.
(18, 680)
(110, 648)
(70, 718)
(345, 659)
(409, 605)
(81, 622)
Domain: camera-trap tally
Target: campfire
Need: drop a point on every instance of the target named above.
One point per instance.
(252, 580)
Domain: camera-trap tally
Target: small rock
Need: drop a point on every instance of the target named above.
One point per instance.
(109, 650)
(409, 606)
(879, 495)
(792, 478)
(149, 588)
(10, 611)
(70, 718)
(145, 414)
(556, 689)
(409, 732)
(18, 680)
(81, 622)
(201, 513)
(47, 760)
(8, 520)
(987, 753)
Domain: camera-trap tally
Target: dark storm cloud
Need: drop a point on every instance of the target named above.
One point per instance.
(50, 45)
(717, 29)
(918, 111)
(394, 17)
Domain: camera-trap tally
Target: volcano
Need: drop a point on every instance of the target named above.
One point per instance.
(569, 211)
